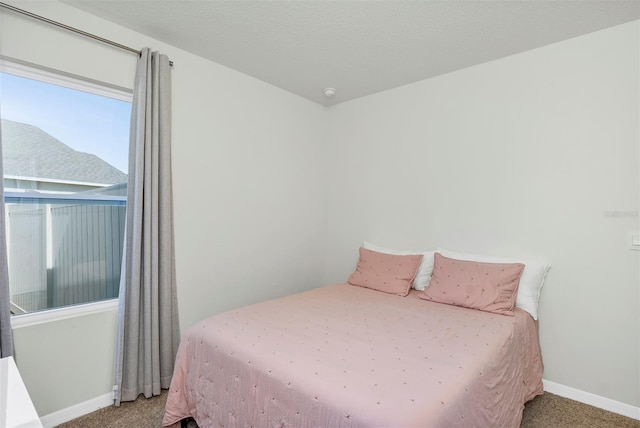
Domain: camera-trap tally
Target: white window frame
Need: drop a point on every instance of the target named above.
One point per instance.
(67, 80)
(29, 71)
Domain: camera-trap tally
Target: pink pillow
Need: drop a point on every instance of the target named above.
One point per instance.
(389, 273)
(490, 287)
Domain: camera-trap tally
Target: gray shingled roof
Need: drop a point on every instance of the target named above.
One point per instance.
(28, 151)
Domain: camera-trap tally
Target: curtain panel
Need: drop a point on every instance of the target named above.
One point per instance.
(6, 334)
(148, 328)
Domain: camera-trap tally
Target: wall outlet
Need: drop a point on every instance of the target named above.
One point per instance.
(633, 240)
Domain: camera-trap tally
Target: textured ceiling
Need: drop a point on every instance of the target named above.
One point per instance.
(358, 47)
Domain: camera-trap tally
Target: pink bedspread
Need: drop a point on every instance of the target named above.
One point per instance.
(345, 356)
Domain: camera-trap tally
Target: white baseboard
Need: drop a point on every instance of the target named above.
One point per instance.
(592, 399)
(65, 415)
(81, 409)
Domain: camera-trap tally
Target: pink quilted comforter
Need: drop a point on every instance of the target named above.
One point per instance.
(345, 356)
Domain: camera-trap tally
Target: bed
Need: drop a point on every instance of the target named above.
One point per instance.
(352, 356)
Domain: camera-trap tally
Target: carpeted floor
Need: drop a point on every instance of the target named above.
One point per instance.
(553, 411)
(545, 411)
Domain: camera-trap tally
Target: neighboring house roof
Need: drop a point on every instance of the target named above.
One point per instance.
(28, 151)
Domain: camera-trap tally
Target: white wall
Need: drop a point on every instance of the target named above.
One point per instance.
(247, 180)
(521, 156)
(68, 361)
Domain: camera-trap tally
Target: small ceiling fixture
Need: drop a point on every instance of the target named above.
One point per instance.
(329, 92)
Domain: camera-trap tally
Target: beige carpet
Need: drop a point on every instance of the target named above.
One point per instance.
(545, 411)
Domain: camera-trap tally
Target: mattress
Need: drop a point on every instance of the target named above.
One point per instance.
(346, 356)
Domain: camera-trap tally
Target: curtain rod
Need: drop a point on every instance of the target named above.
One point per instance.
(75, 30)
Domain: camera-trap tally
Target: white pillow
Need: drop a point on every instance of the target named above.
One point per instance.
(423, 276)
(530, 282)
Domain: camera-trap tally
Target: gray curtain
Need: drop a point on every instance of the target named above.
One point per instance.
(6, 334)
(148, 331)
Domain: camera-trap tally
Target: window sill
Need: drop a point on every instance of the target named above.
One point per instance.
(57, 314)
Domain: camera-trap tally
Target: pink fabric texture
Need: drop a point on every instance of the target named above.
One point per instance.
(490, 287)
(389, 273)
(344, 356)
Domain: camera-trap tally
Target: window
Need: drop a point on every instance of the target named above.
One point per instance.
(65, 150)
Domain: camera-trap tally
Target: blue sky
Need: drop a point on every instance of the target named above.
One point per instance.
(85, 122)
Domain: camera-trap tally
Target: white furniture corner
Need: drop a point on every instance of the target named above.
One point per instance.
(16, 407)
